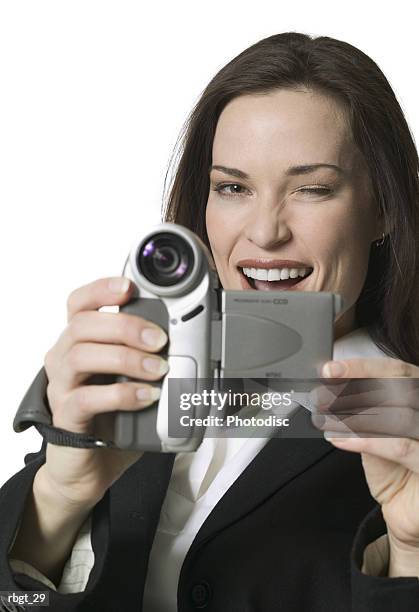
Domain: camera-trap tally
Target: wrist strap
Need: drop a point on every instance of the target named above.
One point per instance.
(62, 437)
(34, 410)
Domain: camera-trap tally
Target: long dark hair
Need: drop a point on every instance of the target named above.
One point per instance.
(389, 301)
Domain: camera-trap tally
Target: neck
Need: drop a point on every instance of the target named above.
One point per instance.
(345, 323)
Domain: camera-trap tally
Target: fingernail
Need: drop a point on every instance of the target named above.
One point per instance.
(321, 397)
(333, 436)
(119, 284)
(334, 369)
(318, 420)
(330, 435)
(155, 365)
(148, 393)
(153, 337)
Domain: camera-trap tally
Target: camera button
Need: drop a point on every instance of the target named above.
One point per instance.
(192, 313)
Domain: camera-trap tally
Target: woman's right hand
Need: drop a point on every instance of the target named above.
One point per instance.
(97, 343)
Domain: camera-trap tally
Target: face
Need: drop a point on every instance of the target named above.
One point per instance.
(290, 204)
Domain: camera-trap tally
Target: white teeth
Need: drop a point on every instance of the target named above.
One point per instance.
(274, 274)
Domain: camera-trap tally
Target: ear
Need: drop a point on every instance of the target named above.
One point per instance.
(383, 227)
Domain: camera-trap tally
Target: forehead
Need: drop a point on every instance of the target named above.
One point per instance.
(284, 127)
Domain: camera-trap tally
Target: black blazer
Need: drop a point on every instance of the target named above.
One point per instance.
(289, 535)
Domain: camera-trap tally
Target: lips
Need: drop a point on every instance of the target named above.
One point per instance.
(267, 264)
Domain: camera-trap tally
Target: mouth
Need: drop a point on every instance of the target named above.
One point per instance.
(273, 276)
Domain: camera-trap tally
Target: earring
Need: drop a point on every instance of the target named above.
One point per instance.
(380, 242)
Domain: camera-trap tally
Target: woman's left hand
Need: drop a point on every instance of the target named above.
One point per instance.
(391, 463)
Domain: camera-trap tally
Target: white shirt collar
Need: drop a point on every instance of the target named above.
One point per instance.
(357, 343)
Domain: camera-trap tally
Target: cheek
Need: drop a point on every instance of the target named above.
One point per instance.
(341, 246)
(344, 227)
(219, 230)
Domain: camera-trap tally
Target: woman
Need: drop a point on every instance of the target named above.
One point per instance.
(297, 151)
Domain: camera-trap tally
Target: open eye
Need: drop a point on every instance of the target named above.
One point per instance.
(222, 188)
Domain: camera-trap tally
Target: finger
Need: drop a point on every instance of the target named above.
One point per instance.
(363, 385)
(87, 358)
(102, 292)
(374, 422)
(326, 394)
(369, 368)
(347, 396)
(87, 401)
(403, 451)
(392, 395)
(117, 328)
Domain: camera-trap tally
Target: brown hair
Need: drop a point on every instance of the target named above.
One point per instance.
(389, 301)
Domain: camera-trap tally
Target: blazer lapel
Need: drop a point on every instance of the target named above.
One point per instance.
(281, 460)
(135, 504)
(136, 500)
(140, 492)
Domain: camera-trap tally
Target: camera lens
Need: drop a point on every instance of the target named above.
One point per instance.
(165, 259)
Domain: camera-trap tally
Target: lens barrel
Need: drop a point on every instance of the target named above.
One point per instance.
(165, 259)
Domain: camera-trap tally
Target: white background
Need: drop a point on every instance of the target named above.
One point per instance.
(93, 95)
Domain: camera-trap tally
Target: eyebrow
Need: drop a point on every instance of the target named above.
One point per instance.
(292, 171)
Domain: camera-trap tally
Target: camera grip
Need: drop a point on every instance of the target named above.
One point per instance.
(136, 430)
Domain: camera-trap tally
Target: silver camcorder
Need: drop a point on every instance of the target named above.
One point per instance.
(214, 334)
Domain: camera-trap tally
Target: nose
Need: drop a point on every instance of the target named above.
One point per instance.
(268, 227)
